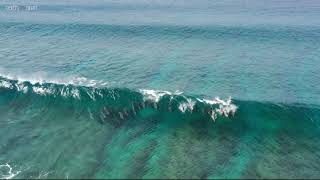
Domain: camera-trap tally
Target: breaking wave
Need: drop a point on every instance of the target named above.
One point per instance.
(119, 103)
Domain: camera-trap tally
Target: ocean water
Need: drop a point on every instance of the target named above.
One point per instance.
(159, 89)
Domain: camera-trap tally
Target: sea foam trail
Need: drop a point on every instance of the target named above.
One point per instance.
(122, 101)
(7, 172)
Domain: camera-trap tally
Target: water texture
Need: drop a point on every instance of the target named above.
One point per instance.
(159, 89)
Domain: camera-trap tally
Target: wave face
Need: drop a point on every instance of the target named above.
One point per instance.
(123, 133)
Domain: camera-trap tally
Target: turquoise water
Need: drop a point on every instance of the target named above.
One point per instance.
(160, 89)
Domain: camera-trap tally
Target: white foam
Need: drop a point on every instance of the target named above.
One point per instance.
(70, 92)
(8, 171)
(6, 84)
(63, 92)
(82, 81)
(183, 107)
(177, 92)
(75, 93)
(21, 87)
(91, 94)
(44, 174)
(154, 95)
(216, 100)
(225, 107)
(41, 90)
(213, 115)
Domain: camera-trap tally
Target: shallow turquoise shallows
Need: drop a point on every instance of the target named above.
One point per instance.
(160, 89)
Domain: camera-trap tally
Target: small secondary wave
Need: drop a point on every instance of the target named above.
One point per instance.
(41, 78)
(122, 103)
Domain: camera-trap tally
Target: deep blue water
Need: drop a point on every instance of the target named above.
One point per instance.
(129, 89)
